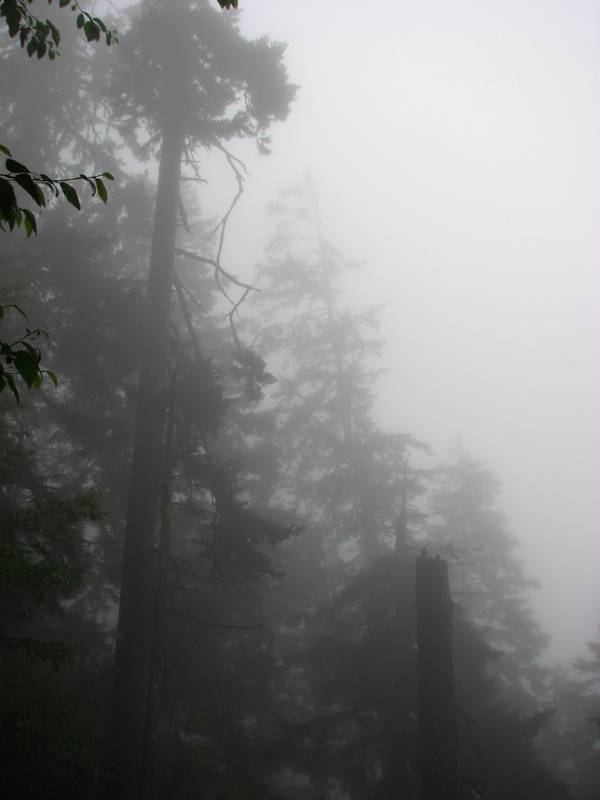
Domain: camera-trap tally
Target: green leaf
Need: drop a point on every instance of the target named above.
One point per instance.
(8, 200)
(16, 217)
(55, 35)
(15, 166)
(108, 176)
(19, 310)
(91, 183)
(29, 222)
(71, 194)
(52, 377)
(102, 193)
(51, 184)
(27, 367)
(80, 20)
(31, 47)
(10, 382)
(5, 150)
(32, 189)
(92, 31)
(4, 346)
(63, 3)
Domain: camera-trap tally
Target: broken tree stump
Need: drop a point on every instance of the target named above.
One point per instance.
(438, 735)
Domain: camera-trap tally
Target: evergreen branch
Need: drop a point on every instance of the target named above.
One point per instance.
(212, 624)
(471, 723)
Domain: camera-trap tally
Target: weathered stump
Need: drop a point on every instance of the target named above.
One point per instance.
(438, 737)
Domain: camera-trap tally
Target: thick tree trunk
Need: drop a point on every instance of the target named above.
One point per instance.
(132, 655)
(160, 604)
(438, 737)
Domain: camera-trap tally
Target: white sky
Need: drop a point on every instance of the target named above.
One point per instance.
(457, 147)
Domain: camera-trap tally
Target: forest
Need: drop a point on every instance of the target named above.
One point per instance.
(209, 546)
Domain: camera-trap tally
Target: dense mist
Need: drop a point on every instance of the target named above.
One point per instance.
(298, 392)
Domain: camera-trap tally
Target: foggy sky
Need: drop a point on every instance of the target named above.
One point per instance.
(456, 148)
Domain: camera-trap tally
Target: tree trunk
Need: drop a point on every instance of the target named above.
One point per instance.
(160, 605)
(438, 737)
(132, 654)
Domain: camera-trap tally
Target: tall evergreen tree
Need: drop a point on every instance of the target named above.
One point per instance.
(340, 471)
(186, 73)
(349, 483)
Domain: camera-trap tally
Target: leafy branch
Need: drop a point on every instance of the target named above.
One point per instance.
(41, 37)
(12, 214)
(23, 357)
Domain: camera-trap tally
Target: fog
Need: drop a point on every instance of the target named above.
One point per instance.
(455, 149)
(300, 381)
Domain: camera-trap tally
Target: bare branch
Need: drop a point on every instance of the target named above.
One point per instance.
(217, 267)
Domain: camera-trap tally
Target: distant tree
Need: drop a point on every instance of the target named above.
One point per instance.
(363, 672)
(466, 526)
(349, 482)
(570, 742)
(341, 471)
(47, 746)
(501, 684)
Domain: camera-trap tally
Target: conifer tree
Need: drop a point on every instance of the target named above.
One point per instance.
(501, 684)
(466, 526)
(186, 71)
(340, 472)
(347, 480)
(570, 742)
